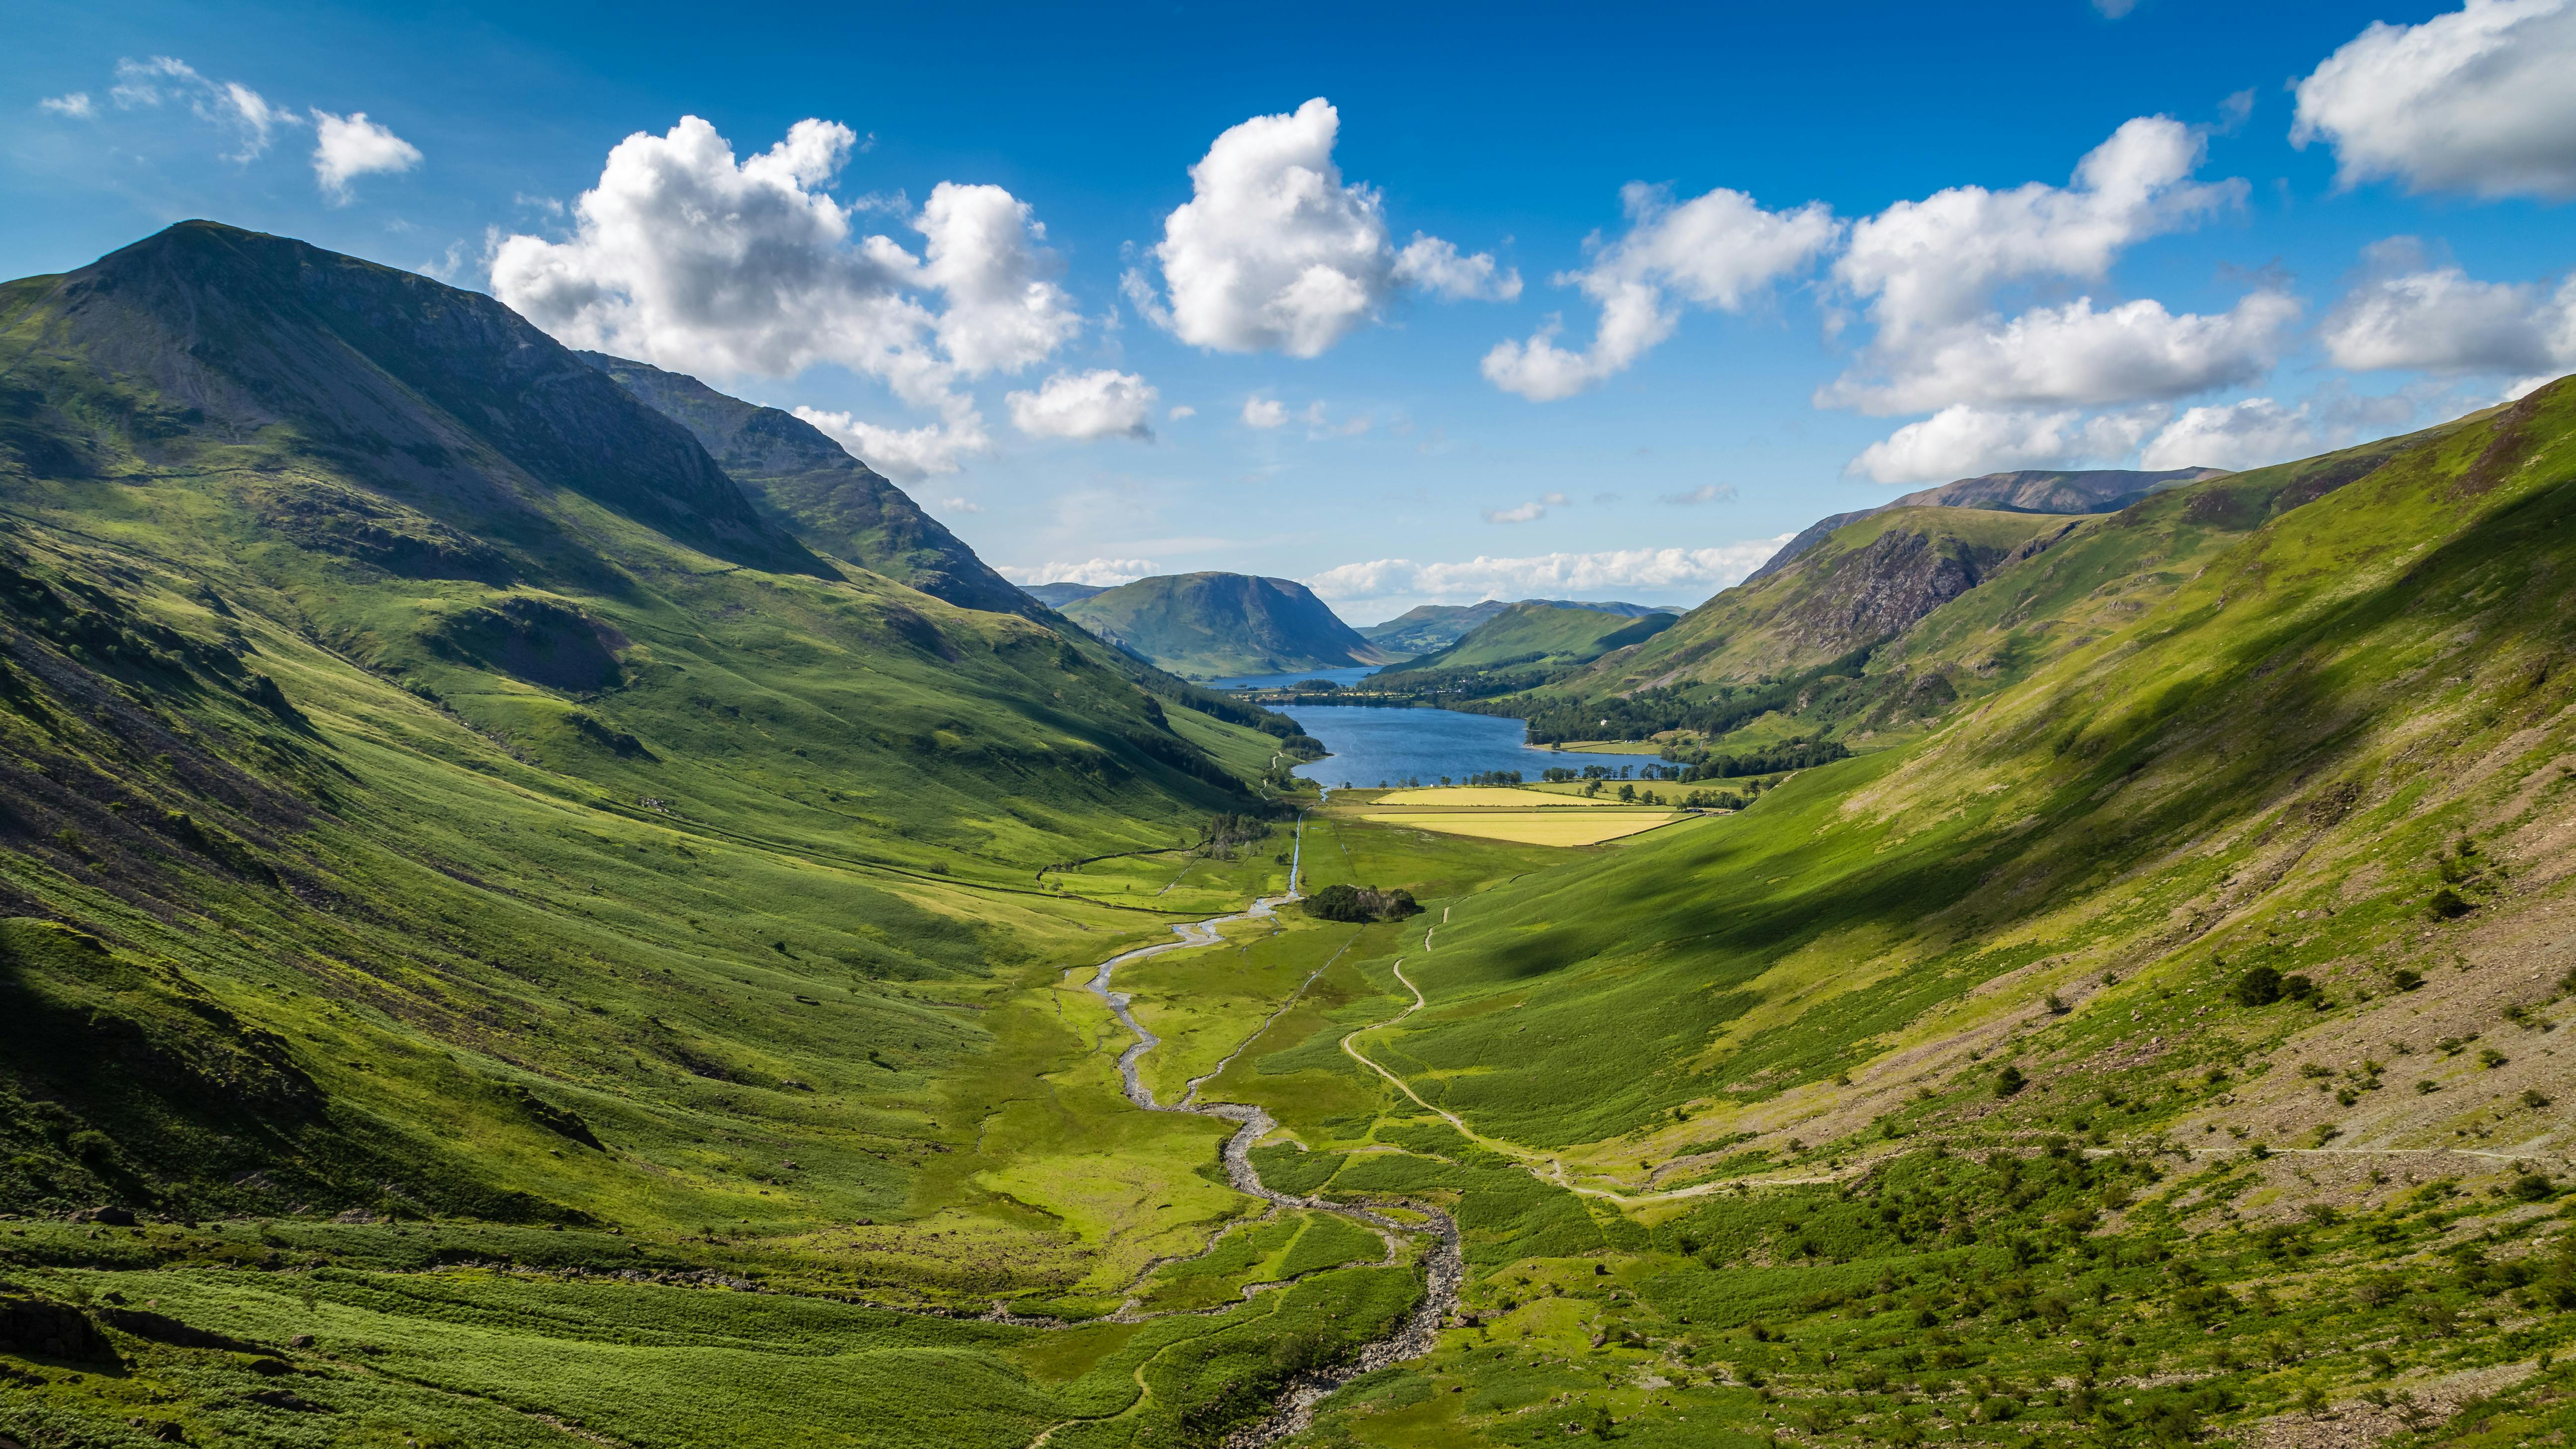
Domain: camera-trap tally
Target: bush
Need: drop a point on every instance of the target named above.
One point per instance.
(2447, 905)
(1360, 904)
(2258, 987)
(2009, 1081)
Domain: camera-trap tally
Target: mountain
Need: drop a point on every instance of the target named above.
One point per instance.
(1429, 627)
(1056, 596)
(2100, 490)
(421, 748)
(807, 485)
(1539, 634)
(1212, 625)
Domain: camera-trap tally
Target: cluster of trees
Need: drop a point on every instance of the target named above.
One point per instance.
(1361, 904)
(1765, 760)
(1224, 832)
(1650, 712)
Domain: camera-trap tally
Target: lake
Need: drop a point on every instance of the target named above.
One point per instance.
(1348, 676)
(1373, 742)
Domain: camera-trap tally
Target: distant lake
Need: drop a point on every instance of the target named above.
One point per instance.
(1351, 675)
(1372, 743)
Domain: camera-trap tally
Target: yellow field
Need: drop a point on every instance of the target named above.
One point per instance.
(1533, 827)
(1611, 747)
(1480, 796)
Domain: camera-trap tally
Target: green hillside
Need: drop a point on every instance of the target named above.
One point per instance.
(1427, 628)
(1540, 635)
(1212, 625)
(809, 486)
(510, 941)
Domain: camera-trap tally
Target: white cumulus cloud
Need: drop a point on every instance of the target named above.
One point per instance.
(907, 454)
(1100, 572)
(1962, 441)
(2439, 319)
(1183, 411)
(1264, 412)
(2247, 434)
(692, 259)
(1274, 252)
(2077, 354)
(2006, 389)
(352, 146)
(1084, 405)
(75, 105)
(1717, 250)
(2477, 100)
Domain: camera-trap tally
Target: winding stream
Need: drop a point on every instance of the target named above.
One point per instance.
(1420, 1331)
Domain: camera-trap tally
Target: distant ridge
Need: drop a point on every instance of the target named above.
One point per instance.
(802, 481)
(1209, 625)
(2098, 490)
(1056, 596)
(1428, 628)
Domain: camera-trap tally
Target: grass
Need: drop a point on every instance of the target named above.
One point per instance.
(659, 1040)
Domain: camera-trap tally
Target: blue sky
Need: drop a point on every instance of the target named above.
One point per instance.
(1839, 250)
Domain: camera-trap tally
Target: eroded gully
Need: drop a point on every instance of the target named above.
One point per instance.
(1419, 1333)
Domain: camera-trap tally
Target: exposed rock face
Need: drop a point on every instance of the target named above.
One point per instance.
(809, 485)
(1886, 587)
(2098, 490)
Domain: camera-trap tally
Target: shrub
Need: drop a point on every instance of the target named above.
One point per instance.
(2447, 905)
(2009, 1081)
(2530, 1187)
(2404, 979)
(2258, 987)
(1360, 904)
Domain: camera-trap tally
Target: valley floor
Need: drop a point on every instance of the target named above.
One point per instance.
(2103, 1271)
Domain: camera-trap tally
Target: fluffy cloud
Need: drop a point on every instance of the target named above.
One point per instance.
(1264, 412)
(687, 258)
(981, 252)
(2005, 391)
(2477, 101)
(2238, 435)
(230, 105)
(1086, 405)
(1961, 441)
(908, 454)
(2076, 354)
(1555, 575)
(1273, 252)
(352, 146)
(2439, 319)
(1922, 266)
(1183, 411)
(75, 105)
(1103, 572)
(1718, 250)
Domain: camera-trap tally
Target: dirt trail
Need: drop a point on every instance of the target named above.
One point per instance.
(1420, 1331)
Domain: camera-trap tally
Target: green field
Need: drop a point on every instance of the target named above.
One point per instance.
(531, 953)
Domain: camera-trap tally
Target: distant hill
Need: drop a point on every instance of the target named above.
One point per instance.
(1056, 596)
(1431, 627)
(808, 485)
(2098, 490)
(1210, 625)
(1541, 634)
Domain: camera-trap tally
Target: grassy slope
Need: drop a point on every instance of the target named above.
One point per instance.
(1540, 634)
(1211, 625)
(2066, 879)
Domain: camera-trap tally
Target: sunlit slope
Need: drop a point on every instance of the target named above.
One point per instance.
(2302, 726)
(1208, 625)
(447, 794)
(1538, 634)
